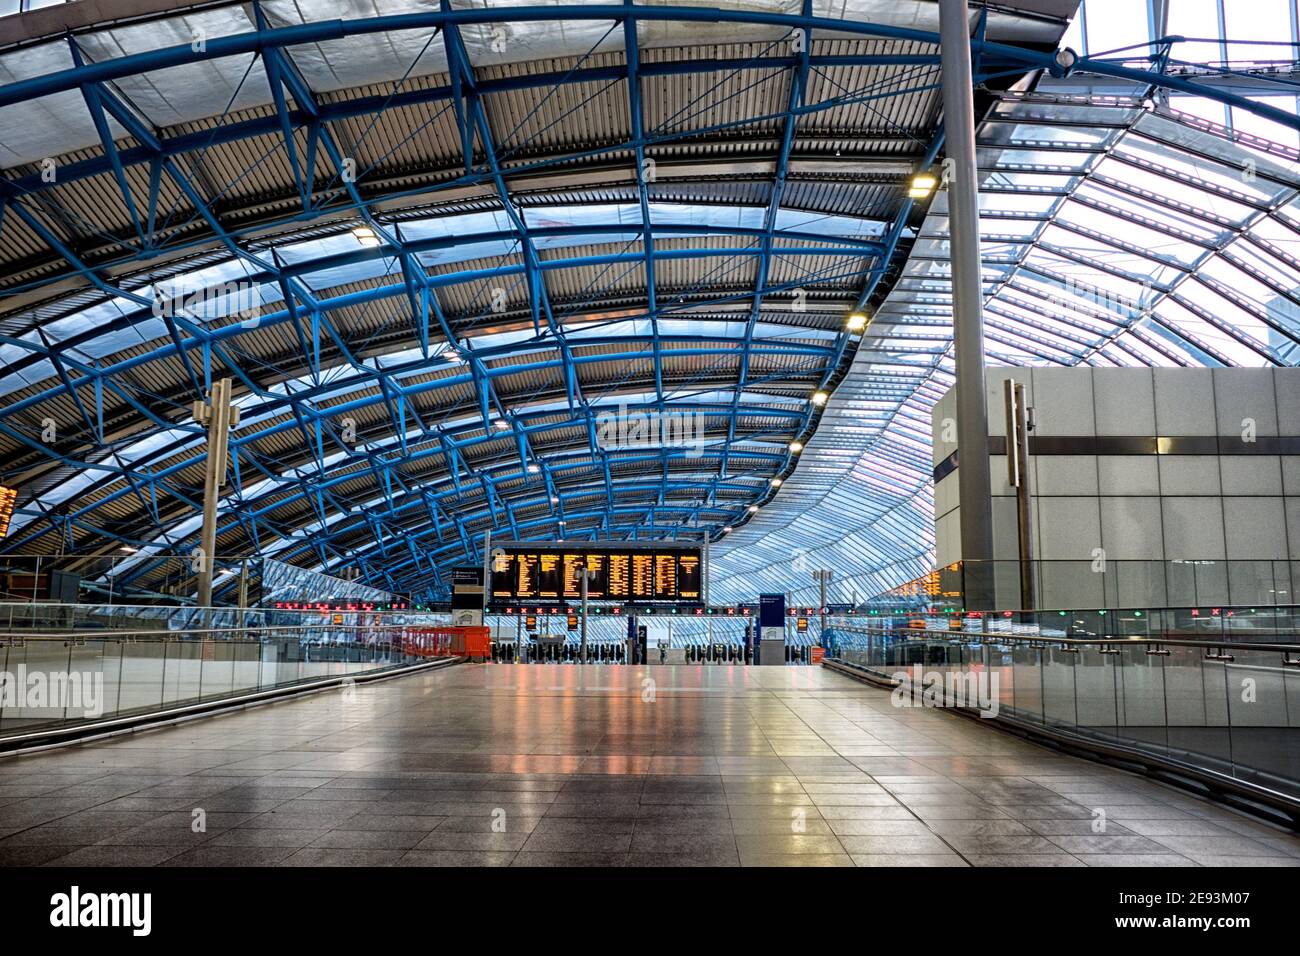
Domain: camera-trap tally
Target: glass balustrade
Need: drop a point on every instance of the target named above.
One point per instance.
(1211, 696)
(57, 680)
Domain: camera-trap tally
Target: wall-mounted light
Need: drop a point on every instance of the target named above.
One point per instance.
(922, 185)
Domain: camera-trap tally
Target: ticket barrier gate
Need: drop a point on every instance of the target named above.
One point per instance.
(796, 654)
(553, 652)
(615, 652)
(714, 654)
(507, 652)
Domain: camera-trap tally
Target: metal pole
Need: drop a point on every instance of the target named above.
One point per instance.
(243, 590)
(967, 306)
(704, 591)
(217, 417)
(582, 585)
(821, 608)
(1018, 478)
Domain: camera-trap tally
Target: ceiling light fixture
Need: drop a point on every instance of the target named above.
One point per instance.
(857, 322)
(796, 447)
(366, 236)
(819, 397)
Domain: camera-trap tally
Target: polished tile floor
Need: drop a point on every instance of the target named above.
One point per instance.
(560, 765)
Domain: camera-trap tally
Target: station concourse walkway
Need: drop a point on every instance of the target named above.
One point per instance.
(565, 765)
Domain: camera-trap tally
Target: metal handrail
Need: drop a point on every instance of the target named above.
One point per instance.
(235, 633)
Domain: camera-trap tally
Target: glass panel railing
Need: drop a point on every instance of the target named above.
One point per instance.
(1216, 696)
(54, 681)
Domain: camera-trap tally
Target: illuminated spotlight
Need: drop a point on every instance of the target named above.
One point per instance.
(819, 397)
(554, 500)
(796, 447)
(753, 508)
(501, 424)
(857, 322)
(922, 185)
(560, 522)
(534, 468)
(366, 236)
(726, 529)
(128, 549)
(776, 482)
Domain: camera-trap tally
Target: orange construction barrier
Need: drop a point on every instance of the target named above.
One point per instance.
(472, 642)
(476, 643)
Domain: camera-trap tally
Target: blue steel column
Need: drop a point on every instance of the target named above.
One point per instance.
(967, 293)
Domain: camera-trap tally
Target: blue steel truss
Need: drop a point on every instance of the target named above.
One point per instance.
(484, 420)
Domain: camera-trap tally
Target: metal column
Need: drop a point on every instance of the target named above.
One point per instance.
(967, 306)
(218, 416)
(582, 584)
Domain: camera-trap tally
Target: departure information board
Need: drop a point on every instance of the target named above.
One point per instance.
(549, 578)
(688, 577)
(643, 576)
(620, 575)
(522, 571)
(7, 498)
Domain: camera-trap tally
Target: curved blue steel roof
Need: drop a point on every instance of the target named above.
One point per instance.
(437, 246)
